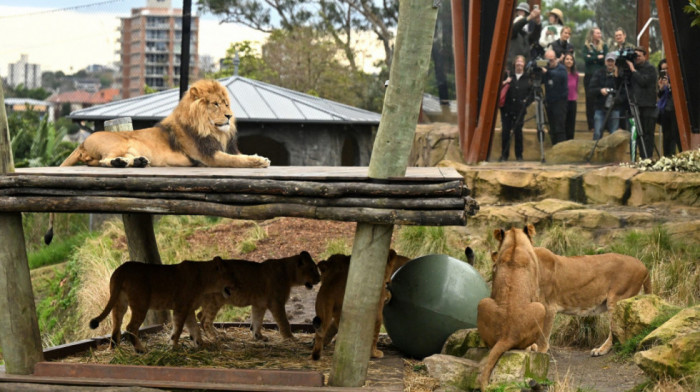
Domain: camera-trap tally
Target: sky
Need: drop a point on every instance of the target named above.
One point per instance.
(69, 35)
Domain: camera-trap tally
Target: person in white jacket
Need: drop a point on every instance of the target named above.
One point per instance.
(552, 31)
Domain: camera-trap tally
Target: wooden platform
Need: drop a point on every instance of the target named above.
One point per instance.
(424, 196)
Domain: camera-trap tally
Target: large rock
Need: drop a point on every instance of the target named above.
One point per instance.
(611, 148)
(672, 187)
(587, 219)
(633, 315)
(684, 322)
(462, 373)
(684, 231)
(435, 142)
(679, 358)
(562, 184)
(519, 214)
(570, 151)
(462, 340)
(608, 185)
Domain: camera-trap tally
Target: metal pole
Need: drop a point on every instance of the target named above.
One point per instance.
(185, 46)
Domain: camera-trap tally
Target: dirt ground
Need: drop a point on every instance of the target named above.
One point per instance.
(286, 236)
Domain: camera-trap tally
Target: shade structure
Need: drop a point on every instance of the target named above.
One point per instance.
(432, 297)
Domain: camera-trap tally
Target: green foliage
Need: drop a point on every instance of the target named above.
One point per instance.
(37, 142)
(56, 311)
(251, 64)
(65, 227)
(627, 349)
(693, 8)
(415, 241)
(22, 92)
(59, 251)
(336, 246)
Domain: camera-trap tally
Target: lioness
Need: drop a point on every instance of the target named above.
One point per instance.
(265, 286)
(329, 301)
(179, 287)
(513, 316)
(199, 132)
(588, 285)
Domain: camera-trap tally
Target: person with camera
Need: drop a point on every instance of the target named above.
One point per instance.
(524, 32)
(606, 95)
(642, 85)
(556, 85)
(667, 116)
(552, 31)
(518, 98)
(594, 51)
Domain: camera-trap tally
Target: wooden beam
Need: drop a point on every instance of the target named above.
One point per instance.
(19, 329)
(473, 50)
(674, 71)
(479, 147)
(392, 146)
(458, 46)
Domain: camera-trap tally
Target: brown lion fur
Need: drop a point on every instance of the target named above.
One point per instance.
(201, 131)
(264, 286)
(513, 317)
(140, 287)
(329, 301)
(588, 285)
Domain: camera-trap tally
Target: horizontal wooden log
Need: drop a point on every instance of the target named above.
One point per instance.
(423, 203)
(237, 185)
(255, 212)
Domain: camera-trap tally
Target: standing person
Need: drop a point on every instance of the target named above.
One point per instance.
(620, 45)
(525, 32)
(594, 51)
(563, 46)
(667, 115)
(571, 105)
(552, 31)
(643, 90)
(518, 98)
(605, 94)
(621, 40)
(555, 80)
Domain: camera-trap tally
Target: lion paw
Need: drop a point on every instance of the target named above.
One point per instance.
(118, 162)
(140, 162)
(259, 161)
(377, 353)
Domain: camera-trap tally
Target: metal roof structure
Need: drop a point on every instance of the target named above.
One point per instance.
(251, 101)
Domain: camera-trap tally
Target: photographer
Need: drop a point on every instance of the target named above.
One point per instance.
(642, 84)
(518, 98)
(556, 84)
(525, 32)
(667, 114)
(605, 94)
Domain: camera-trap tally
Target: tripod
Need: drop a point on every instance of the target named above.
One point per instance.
(634, 109)
(536, 95)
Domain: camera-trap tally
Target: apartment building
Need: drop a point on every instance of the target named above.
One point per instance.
(24, 73)
(151, 48)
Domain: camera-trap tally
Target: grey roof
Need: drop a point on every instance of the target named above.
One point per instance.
(431, 104)
(251, 101)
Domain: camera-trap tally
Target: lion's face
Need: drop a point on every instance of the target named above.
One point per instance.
(211, 105)
(307, 270)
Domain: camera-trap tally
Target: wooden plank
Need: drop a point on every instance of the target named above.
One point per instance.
(307, 173)
(180, 374)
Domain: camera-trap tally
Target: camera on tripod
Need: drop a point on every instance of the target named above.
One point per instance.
(623, 55)
(533, 69)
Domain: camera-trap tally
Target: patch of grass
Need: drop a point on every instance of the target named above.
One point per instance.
(233, 314)
(415, 241)
(335, 246)
(587, 332)
(65, 227)
(249, 243)
(58, 252)
(563, 240)
(629, 347)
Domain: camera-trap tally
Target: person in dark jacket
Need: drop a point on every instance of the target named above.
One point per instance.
(667, 114)
(594, 51)
(518, 98)
(555, 80)
(563, 46)
(605, 93)
(642, 87)
(524, 33)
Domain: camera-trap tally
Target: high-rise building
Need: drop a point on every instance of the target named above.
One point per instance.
(24, 73)
(151, 48)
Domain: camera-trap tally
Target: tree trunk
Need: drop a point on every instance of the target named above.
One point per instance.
(389, 158)
(19, 330)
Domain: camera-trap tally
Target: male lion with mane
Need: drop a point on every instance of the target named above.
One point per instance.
(199, 132)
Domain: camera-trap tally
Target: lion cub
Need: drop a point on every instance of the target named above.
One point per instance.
(264, 286)
(329, 301)
(179, 287)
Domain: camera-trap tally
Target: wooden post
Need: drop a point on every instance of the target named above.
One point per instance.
(392, 146)
(19, 330)
(140, 237)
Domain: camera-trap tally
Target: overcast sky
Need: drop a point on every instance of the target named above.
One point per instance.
(70, 35)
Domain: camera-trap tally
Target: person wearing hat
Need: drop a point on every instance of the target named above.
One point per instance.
(605, 94)
(552, 31)
(642, 86)
(525, 32)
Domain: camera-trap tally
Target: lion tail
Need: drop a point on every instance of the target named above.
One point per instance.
(496, 351)
(72, 159)
(114, 288)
